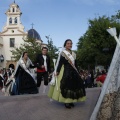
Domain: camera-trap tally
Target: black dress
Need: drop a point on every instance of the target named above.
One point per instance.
(71, 84)
(1, 83)
(24, 82)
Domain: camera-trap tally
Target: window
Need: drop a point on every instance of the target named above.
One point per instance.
(10, 20)
(12, 31)
(13, 9)
(12, 42)
(15, 20)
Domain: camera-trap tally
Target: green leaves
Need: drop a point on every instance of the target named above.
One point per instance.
(53, 50)
(96, 46)
(31, 46)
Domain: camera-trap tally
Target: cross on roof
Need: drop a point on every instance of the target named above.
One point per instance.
(32, 25)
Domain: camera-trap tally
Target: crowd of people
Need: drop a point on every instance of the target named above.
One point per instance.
(67, 83)
(23, 79)
(90, 78)
(93, 78)
(5, 74)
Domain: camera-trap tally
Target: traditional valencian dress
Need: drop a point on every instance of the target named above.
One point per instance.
(23, 81)
(68, 87)
(108, 105)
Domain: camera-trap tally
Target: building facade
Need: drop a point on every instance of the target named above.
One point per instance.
(12, 35)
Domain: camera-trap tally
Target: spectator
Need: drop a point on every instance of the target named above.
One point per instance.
(88, 80)
(101, 78)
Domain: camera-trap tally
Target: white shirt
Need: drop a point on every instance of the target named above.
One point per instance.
(45, 63)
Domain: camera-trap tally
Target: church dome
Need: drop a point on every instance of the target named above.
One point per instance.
(34, 34)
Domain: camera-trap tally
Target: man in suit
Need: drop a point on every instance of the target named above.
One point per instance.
(43, 68)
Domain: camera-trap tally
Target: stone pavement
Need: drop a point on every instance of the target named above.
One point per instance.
(39, 107)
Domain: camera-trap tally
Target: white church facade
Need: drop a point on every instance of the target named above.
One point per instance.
(12, 35)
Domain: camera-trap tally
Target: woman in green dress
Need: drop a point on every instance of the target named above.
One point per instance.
(68, 86)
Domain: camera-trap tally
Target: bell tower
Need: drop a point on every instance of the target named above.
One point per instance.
(12, 34)
(13, 17)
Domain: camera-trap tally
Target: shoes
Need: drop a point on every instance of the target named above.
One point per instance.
(72, 105)
(67, 105)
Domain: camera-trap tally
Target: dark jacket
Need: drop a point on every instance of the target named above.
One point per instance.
(1, 83)
(40, 61)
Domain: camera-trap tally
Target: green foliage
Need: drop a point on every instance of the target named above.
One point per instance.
(96, 46)
(53, 50)
(31, 46)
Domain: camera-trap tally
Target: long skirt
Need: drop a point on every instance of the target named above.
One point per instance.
(24, 83)
(55, 91)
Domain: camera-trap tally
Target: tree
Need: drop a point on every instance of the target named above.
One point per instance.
(53, 50)
(96, 46)
(30, 46)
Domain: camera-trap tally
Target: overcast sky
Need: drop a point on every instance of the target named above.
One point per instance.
(61, 19)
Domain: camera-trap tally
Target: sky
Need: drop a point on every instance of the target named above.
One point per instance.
(61, 19)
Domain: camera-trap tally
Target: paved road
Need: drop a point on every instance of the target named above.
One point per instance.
(39, 107)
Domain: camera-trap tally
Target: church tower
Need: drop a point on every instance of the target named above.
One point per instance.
(13, 18)
(12, 34)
